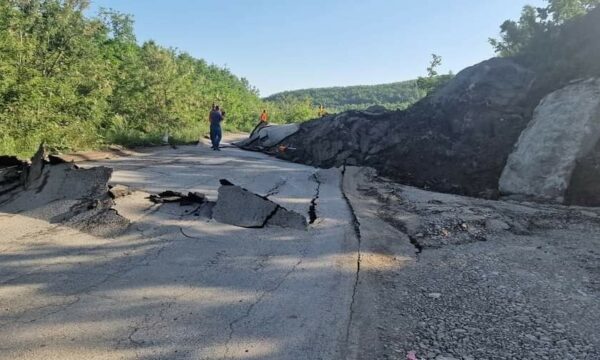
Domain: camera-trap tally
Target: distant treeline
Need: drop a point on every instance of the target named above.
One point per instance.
(398, 95)
(76, 82)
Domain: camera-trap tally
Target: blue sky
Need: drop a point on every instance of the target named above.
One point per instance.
(291, 44)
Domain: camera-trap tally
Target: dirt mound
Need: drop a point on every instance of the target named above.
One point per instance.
(459, 139)
(455, 141)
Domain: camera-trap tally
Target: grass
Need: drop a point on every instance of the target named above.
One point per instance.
(24, 147)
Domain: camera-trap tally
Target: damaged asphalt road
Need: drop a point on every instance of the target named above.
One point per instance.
(176, 283)
(451, 277)
(373, 269)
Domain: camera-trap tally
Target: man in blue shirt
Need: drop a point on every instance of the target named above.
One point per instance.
(215, 127)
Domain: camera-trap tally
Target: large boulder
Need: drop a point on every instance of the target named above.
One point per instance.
(565, 128)
(456, 140)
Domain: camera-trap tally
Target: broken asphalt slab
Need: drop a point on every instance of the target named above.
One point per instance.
(240, 207)
(62, 194)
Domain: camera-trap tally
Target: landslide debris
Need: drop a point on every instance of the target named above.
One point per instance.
(60, 193)
(454, 141)
(532, 284)
(436, 220)
(240, 207)
(459, 139)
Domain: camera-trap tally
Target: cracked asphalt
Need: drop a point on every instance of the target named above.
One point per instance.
(384, 271)
(179, 286)
(465, 288)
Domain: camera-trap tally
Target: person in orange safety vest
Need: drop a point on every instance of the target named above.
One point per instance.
(264, 117)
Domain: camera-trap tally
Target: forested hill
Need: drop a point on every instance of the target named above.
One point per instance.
(398, 95)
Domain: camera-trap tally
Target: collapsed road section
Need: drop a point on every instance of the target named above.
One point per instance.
(60, 193)
(177, 285)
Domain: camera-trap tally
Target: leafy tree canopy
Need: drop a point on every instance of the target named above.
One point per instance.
(76, 82)
(538, 23)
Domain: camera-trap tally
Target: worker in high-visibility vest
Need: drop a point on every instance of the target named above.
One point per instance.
(263, 122)
(264, 117)
(322, 112)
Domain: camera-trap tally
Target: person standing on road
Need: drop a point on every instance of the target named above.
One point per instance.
(216, 117)
(264, 117)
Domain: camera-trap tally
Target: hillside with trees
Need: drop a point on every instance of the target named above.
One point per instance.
(398, 95)
(76, 82)
(393, 96)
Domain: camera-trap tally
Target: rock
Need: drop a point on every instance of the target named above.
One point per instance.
(196, 197)
(434, 295)
(584, 188)
(495, 225)
(170, 196)
(240, 207)
(119, 191)
(565, 128)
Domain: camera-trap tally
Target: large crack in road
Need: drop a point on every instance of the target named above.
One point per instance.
(356, 227)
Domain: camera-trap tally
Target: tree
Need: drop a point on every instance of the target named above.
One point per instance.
(433, 81)
(75, 82)
(563, 10)
(538, 24)
(436, 61)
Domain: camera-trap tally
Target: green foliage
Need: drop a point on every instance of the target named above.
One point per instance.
(563, 10)
(436, 61)
(76, 82)
(299, 105)
(433, 81)
(537, 26)
(397, 95)
(290, 109)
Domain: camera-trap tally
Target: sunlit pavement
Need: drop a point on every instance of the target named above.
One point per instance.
(180, 286)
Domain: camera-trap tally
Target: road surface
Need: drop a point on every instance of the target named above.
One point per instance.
(385, 271)
(178, 286)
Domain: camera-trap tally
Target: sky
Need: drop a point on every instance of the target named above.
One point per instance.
(293, 44)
